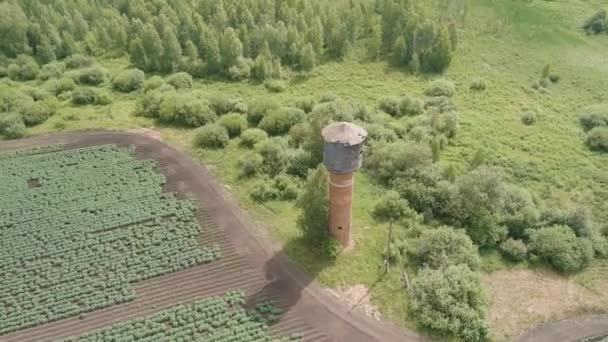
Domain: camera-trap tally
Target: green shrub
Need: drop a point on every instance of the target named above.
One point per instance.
(251, 136)
(298, 134)
(519, 211)
(3, 71)
(600, 245)
(597, 24)
(211, 136)
(148, 104)
(275, 86)
(92, 76)
(250, 164)
(185, 109)
(180, 80)
(478, 84)
(258, 108)
(328, 97)
(390, 105)
(103, 98)
(128, 80)
(51, 70)
(220, 103)
(34, 113)
(61, 85)
(287, 187)
(240, 107)
(25, 68)
(528, 118)
(514, 250)
(442, 103)
(300, 162)
(377, 132)
(84, 96)
(444, 247)
(410, 106)
(390, 161)
(275, 154)
(65, 96)
(79, 61)
(234, 123)
(559, 247)
(279, 121)
(153, 82)
(597, 139)
(440, 87)
(38, 94)
(450, 301)
(11, 125)
(264, 190)
(306, 103)
(313, 202)
(593, 119)
(554, 78)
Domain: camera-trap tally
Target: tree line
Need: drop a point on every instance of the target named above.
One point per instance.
(230, 38)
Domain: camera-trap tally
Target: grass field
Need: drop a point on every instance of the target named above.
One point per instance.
(507, 43)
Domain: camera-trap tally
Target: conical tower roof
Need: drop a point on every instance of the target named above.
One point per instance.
(344, 133)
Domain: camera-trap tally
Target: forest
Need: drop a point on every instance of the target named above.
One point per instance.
(247, 86)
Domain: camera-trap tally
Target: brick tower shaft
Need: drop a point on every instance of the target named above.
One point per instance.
(341, 187)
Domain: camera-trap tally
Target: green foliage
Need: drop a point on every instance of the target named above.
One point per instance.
(220, 103)
(60, 86)
(275, 86)
(34, 113)
(24, 68)
(597, 24)
(298, 134)
(211, 136)
(259, 108)
(234, 123)
(313, 202)
(79, 61)
(594, 118)
(11, 126)
(306, 103)
(389, 161)
(279, 121)
(184, 109)
(264, 190)
(250, 164)
(514, 250)
(51, 70)
(450, 301)
(597, 139)
(153, 82)
(92, 76)
(391, 208)
(251, 136)
(411, 106)
(84, 96)
(444, 247)
(528, 118)
(128, 80)
(478, 84)
(275, 154)
(180, 80)
(390, 105)
(559, 247)
(440, 87)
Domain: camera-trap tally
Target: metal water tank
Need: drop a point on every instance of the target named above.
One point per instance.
(343, 149)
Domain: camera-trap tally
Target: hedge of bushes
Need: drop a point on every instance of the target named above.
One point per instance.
(128, 80)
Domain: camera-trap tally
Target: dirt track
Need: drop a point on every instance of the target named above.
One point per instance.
(249, 262)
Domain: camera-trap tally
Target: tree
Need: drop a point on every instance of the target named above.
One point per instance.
(172, 52)
(45, 51)
(137, 54)
(314, 216)
(13, 29)
(391, 208)
(190, 51)
(443, 247)
(152, 47)
(230, 48)
(262, 67)
(450, 300)
(374, 43)
(316, 37)
(307, 58)
(558, 246)
(399, 52)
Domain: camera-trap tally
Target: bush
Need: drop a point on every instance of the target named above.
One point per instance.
(25, 68)
(444, 247)
(79, 61)
(148, 105)
(514, 250)
(91, 76)
(264, 190)
(11, 125)
(478, 84)
(220, 103)
(300, 163)
(180, 80)
(313, 219)
(593, 119)
(298, 134)
(3, 71)
(287, 187)
(597, 139)
(51, 70)
(440, 87)
(34, 113)
(84, 96)
(185, 109)
(240, 107)
(258, 108)
(234, 123)
(280, 121)
(59, 86)
(275, 154)
(211, 136)
(328, 97)
(128, 80)
(250, 164)
(442, 103)
(251, 136)
(597, 24)
(390, 105)
(390, 161)
(306, 103)
(528, 118)
(275, 86)
(377, 132)
(38, 94)
(559, 247)
(410, 106)
(153, 82)
(103, 98)
(450, 301)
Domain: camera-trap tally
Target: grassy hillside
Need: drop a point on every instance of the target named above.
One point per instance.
(507, 44)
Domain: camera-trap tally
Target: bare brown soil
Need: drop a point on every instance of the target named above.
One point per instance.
(250, 261)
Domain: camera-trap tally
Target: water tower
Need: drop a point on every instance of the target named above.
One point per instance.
(342, 155)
